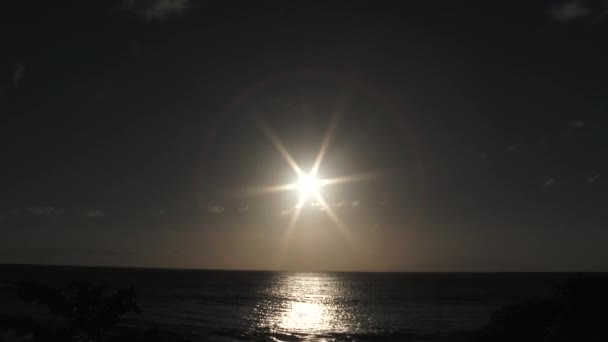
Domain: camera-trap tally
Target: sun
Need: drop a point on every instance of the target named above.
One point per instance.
(308, 185)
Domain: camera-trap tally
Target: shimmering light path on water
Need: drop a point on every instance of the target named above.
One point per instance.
(307, 303)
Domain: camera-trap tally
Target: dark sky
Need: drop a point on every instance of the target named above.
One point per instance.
(131, 131)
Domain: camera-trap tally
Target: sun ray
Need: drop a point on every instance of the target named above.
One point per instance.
(278, 145)
(359, 177)
(336, 220)
(296, 215)
(333, 123)
(292, 223)
(265, 190)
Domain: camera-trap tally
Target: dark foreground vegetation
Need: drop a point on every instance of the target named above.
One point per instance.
(81, 311)
(577, 311)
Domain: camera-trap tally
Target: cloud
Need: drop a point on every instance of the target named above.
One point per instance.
(216, 209)
(18, 74)
(338, 204)
(577, 124)
(321, 206)
(512, 148)
(93, 214)
(44, 211)
(549, 182)
(243, 209)
(316, 204)
(157, 9)
(574, 126)
(593, 178)
(569, 10)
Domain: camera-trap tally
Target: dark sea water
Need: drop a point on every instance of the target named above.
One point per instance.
(282, 306)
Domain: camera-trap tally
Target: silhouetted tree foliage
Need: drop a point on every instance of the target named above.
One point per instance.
(83, 304)
(90, 313)
(578, 311)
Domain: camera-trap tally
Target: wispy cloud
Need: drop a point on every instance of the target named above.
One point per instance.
(574, 127)
(44, 211)
(356, 203)
(157, 9)
(216, 209)
(569, 10)
(593, 178)
(549, 182)
(243, 209)
(577, 124)
(316, 204)
(339, 204)
(93, 214)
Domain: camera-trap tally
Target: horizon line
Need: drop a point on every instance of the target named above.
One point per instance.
(287, 270)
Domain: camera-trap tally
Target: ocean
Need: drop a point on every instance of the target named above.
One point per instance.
(283, 306)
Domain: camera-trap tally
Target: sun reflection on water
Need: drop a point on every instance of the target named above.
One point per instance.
(304, 316)
(300, 303)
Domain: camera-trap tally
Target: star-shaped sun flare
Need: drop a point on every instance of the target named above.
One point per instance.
(308, 184)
